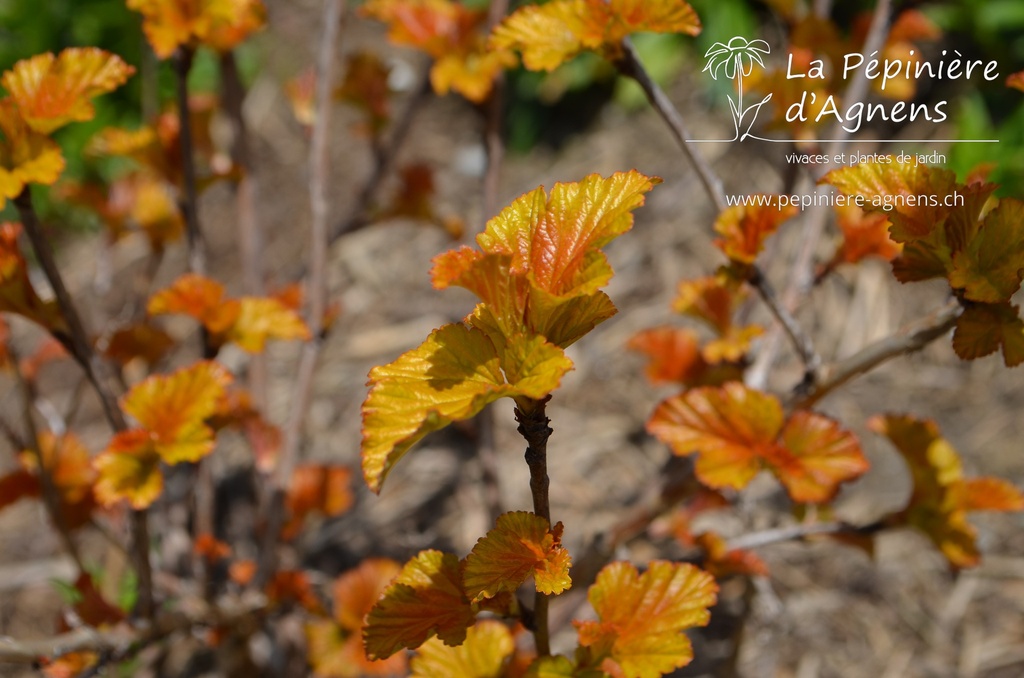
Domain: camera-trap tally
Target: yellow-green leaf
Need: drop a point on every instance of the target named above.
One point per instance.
(484, 653)
(451, 376)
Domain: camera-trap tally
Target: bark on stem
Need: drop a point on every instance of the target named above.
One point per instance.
(81, 349)
(533, 426)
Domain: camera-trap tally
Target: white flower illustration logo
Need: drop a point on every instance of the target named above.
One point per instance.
(736, 60)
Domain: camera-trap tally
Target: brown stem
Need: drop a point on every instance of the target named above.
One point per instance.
(914, 337)
(51, 496)
(533, 426)
(493, 115)
(383, 160)
(318, 245)
(77, 343)
(189, 200)
(800, 340)
(630, 66)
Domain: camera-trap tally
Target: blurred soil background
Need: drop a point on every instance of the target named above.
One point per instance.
(827, 610)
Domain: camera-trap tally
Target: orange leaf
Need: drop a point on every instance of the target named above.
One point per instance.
(484, 653)
(336, 646)
(983, 328)
(865, 234)
(210, 548)
(262, 318)
(674, 355)
(552, 33)
(472, 74)
(26, 156)
(736, 431)
(69, 466)
(819, 456)
(17, 295)
(991, 266)
(220, 24)
(201, 298)
(357, 591)
(129, 469)
(300, 90)
(451, 376)
(172, 410)
(51, 91)
(941, 496)
(438, 27)
(991, 494)
(69, 665)
(896, 186)
(745, 228)
(1016, 80)
(317, 488)
(521, 545)
(242, 571)
(155, 211)
(641, 617)
(293, 586)
(730, 427)
(425, 600)
(49, 350)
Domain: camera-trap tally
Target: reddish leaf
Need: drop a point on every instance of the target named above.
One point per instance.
(674, 355)
(720, 562)
(484, 653)
(17, 485)
(317, 488)
(365, 87)
(425, 600)
(985, 328)
(91, 606)
(139, 341)
(819, 455)
(1016, 80)
(744, 228)
(521, 545)
(48, 350)
(641, 617)
(865, 234)
(51, 91)
(293, 586)
(210, 548)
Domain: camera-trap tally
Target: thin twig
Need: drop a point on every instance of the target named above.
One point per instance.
(533, 426)
(800, 340)
(78, 344)
(383, 160)
(909, 339)
(122, 641)
(631, 66)
(318, 245)
(801, 269)
(493, 119)
(51, 496)
(189, 199)
(777, 535)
